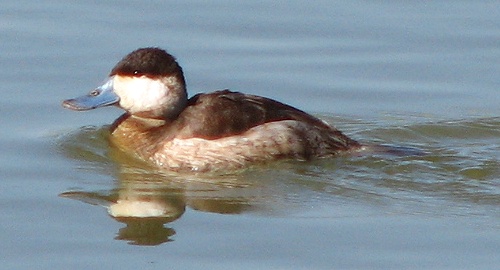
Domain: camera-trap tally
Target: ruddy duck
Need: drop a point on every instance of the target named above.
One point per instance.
(218, 131)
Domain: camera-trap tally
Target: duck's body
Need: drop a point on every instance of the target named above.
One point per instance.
(228, 130)
(222, 130)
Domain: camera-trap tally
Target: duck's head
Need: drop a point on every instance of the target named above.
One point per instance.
(148, 83)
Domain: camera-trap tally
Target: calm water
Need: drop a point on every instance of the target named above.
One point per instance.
(422, 76)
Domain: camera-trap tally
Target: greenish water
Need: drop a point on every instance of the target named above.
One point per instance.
(418, 78)
(444, 165)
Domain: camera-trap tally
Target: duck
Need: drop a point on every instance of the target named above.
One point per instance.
(220, 131)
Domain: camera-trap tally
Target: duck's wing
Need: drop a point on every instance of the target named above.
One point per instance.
(225, 113)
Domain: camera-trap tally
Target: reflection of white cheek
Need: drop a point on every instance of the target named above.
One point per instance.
(124, 208)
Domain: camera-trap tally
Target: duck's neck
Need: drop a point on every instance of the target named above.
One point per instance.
(176, 96)
(135, 134)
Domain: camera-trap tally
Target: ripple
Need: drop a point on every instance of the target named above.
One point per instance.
(415, 168)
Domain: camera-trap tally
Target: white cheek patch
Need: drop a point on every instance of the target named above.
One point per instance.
(138, 94)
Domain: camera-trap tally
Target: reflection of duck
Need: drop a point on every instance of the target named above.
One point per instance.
(146, 201)
(222, 130)
(143, 206)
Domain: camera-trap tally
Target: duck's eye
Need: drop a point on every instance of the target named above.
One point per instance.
(137, 72)
(94, 93)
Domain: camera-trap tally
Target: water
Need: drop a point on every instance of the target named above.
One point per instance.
(423, 76)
